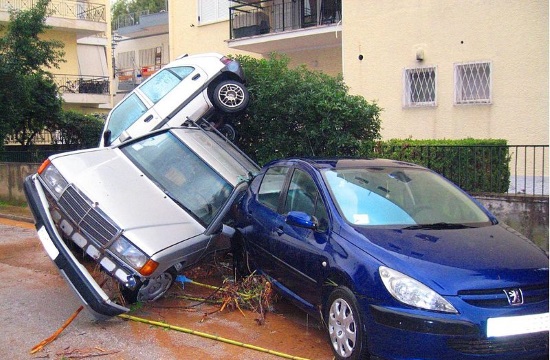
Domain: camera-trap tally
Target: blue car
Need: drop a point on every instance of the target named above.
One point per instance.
(398, 262)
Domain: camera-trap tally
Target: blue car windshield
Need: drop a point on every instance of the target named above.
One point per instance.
(181, 174)
(400, 196)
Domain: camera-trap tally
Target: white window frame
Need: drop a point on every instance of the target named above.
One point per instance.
(473, 91)
(210, 11)
(409, 82)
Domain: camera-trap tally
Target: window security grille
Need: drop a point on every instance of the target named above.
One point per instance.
(473, 83)
(419, 87)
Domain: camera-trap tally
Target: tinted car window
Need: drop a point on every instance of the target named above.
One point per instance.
(181, 174)
(163, 82)
(303, 196)
(125, 114)
(271, 187)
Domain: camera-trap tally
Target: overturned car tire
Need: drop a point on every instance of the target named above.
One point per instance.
(230, 96)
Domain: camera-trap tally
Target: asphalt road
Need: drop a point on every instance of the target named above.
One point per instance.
(36, 301)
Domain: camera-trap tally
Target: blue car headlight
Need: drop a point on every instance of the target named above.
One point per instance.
(412, 292)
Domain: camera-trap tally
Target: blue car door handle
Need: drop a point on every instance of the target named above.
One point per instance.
(279, 231)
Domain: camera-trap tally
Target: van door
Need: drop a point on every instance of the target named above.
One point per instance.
(173, 89)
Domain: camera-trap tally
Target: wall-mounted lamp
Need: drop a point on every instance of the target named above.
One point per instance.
(419, 54)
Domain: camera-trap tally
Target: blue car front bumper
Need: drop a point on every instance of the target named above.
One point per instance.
(403, 335)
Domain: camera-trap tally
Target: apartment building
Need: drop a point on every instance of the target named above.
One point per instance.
(440, 69)
(140, 45)
(84, 28)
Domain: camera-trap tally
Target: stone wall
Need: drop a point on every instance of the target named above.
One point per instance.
(11, 180)
(526, 214)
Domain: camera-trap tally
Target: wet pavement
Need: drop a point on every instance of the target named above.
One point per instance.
(37, 301)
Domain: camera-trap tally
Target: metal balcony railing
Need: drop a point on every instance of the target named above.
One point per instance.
(252, 18)
(64, 9)
(82, 84)
(128, 19)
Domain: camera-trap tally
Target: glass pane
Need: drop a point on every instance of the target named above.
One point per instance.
(271, 187)
(125, 114)
(394, 196)
(183, 175)
(163, 82)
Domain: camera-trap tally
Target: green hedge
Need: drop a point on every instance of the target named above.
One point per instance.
(473, 164)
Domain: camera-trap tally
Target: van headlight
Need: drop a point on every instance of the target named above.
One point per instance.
(53, 179)
(411, 292)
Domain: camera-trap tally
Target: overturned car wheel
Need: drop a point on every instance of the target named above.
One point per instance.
(151, 289)
(230, 96)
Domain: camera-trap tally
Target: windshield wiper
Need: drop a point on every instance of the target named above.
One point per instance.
(437, 226)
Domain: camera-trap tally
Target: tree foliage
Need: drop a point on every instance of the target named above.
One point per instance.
(79, 130)
(125, 7)
(299, 112)
(29, 99)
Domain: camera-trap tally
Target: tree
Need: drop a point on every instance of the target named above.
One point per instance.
(126, 7)
(79, 130)
(29, 99)
(299, 112)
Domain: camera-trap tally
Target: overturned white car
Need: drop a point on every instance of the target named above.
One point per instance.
(143, 210)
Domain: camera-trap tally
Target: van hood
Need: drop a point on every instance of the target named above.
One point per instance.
(146, 215)
(451, 260)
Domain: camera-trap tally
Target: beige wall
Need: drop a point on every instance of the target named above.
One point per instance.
(188, 36)
(512, 34)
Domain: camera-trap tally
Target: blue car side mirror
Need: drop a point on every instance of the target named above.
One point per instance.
(301, 219)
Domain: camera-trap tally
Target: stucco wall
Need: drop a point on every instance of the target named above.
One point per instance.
(188, 35)
(512, 35)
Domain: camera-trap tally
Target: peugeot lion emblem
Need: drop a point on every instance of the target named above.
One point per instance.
(515, 296)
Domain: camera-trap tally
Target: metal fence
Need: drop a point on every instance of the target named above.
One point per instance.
(512, 169)
(527, 171)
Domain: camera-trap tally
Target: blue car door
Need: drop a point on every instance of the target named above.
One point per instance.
(262, 216)
(298, 253)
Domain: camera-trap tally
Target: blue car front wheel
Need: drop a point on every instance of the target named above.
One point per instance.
(345, 329)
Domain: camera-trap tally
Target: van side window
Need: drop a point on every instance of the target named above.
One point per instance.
(163, 82)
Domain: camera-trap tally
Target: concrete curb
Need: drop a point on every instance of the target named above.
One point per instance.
(17, 218)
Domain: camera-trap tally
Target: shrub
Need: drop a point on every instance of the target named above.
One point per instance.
(299, 112)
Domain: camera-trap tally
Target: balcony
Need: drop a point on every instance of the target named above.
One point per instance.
(268, 25)
(85, 18)
(83, 90)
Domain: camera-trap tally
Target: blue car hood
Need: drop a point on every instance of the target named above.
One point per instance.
(490, 257)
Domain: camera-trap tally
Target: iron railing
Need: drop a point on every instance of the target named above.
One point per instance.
(128, 19)
(64, 9)
(526, 174)
(512, 169)
(82, 84)
(262, 17)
